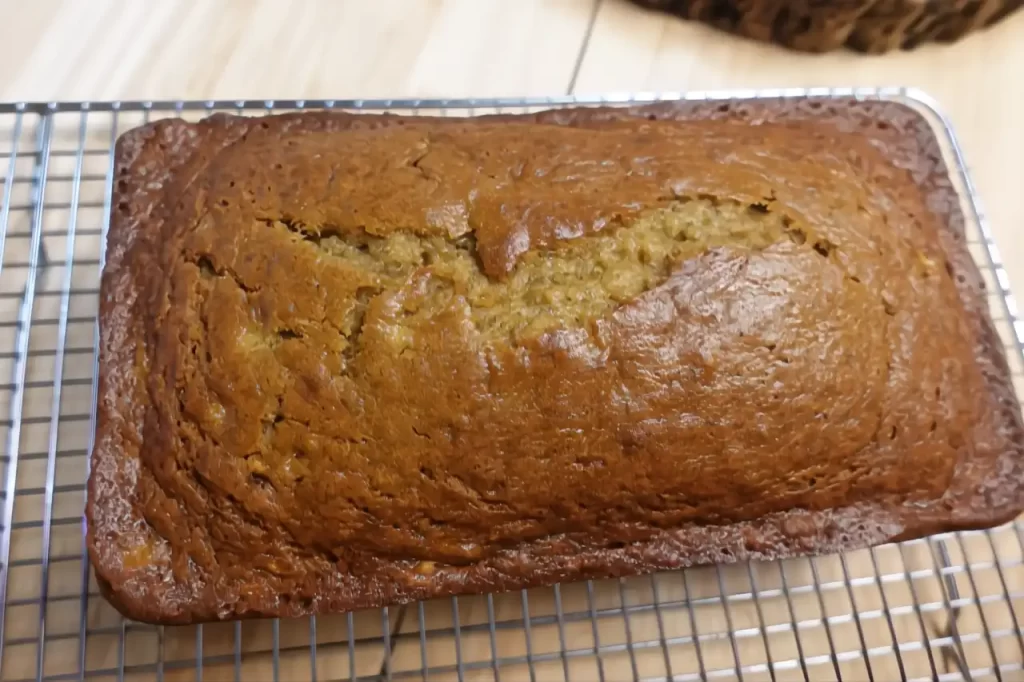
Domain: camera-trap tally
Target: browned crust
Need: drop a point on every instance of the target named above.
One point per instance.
(155, 162)
(872, 26)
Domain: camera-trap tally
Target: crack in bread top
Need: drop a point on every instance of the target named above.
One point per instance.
(435, 344)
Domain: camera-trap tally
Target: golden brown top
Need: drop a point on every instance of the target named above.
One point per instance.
(425, 345)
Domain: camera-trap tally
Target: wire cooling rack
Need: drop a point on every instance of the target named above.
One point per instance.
(948, 607)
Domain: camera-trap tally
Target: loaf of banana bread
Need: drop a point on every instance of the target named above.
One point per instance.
(356, 360)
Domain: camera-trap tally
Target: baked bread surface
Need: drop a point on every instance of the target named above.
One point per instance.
(356, 360)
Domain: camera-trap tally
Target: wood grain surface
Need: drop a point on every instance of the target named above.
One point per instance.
(202, 49)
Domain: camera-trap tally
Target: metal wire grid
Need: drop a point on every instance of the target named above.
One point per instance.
(950, 607)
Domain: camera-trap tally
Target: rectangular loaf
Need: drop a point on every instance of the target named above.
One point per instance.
(356, 360)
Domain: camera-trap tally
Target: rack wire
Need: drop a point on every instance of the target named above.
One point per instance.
(948, 607)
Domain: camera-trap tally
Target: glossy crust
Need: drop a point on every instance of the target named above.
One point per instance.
(872, 26)
(851, 415)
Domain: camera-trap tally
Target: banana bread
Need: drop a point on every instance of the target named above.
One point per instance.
(356, 360)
